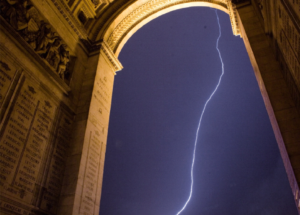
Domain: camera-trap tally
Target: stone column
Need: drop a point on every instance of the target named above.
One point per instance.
(281, 107)
(84, 169)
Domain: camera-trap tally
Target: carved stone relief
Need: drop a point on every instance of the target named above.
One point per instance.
(96, 2)
(100, 4)
(289, 41)
(34, 136)
(152, 6)
(27, 21)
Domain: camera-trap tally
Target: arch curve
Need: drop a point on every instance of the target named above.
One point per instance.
(123, 26)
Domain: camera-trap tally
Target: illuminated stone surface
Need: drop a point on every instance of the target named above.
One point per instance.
(57, 64)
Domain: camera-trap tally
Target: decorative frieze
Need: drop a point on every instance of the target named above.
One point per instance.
(67, 14)
(115, 63)
(70, 10)
(88, 8)
(25, 19)
(233, 18)
(153, 6)
(100, 5)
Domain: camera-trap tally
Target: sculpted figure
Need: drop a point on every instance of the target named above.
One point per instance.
(30, 37)
(37, 33)
(15, 11)
(96, 2)
(45, 38)
(53, 56)
(5, 6)
(23, 18)
(64, 60)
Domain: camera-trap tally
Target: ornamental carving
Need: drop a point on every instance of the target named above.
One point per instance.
(96, 2)
(115, 63)
(153, 6)
(100, 4)
(26, 20)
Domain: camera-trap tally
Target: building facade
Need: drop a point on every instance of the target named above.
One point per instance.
(58, 59)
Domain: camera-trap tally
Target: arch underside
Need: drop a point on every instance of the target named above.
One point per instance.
(121, 28)
(130, 20)
(81, 100)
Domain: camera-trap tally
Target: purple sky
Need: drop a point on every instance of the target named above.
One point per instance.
(171, 66)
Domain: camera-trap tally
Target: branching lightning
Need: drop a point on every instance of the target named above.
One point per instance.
(198, 128)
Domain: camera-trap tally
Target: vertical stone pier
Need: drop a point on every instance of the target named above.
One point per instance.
(277, 90)
(56, 82)
(85, 163)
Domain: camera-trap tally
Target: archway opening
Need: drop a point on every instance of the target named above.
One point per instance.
(160, 149)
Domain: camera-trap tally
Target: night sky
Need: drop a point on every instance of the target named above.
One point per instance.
(171, 66)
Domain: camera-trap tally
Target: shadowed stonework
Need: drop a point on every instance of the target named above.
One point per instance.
(58, 59)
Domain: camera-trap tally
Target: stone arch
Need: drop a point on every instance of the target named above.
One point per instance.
(138, 14)
(246, 22)
(83, 106)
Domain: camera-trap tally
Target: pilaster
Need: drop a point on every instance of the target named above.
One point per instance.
(281, 107)
(85, 162)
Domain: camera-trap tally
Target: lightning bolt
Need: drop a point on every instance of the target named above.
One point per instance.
(198, 128)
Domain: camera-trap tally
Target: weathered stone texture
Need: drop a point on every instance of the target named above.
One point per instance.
(58, 59)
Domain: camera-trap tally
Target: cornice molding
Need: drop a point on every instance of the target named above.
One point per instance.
(115, 63)
(88, 8)
(92, 48)
(67, 14)
(153, 6)
(101, 5)
(233, 14)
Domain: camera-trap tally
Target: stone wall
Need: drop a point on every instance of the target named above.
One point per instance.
(34, 138)
(56, 86)
(275, 61)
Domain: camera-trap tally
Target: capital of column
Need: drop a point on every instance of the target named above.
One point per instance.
(113, 60)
